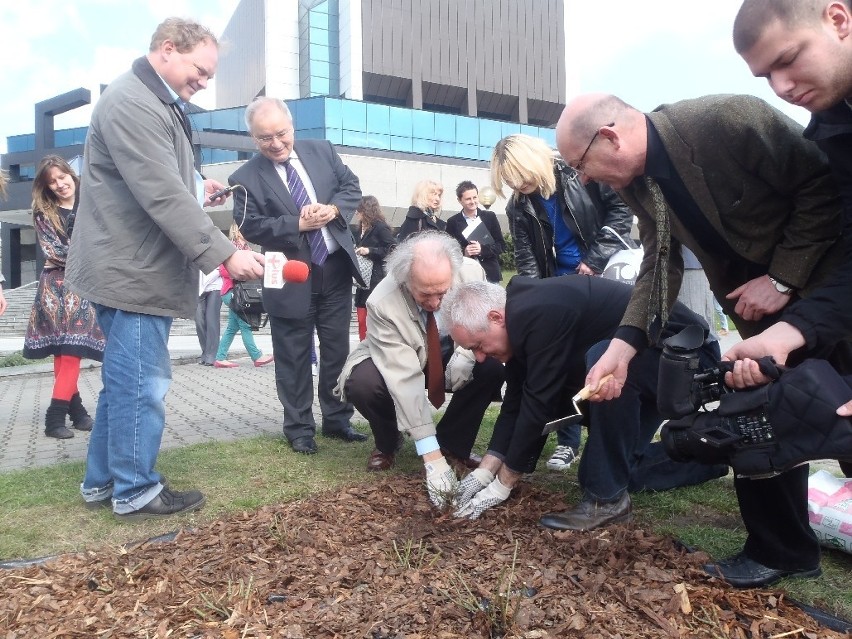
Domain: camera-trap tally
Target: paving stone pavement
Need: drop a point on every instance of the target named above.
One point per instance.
(199, 408)
(203, 404)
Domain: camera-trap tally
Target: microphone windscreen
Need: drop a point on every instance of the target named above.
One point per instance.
(295, 271)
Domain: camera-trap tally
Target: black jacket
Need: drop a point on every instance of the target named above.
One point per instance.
(379, 240)
(585, 209)
(417, 220)
(551, 323)
(825, 316)
(489, 257)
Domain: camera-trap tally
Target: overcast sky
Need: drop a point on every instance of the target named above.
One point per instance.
(647, 53)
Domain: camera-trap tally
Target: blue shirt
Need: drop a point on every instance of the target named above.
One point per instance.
(568, 254)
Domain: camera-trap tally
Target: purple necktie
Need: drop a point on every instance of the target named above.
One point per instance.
(319, 251)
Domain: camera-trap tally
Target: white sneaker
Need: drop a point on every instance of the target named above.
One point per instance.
(562, 458)
(314, 370)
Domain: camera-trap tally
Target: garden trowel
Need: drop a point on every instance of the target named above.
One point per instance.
(576, 417)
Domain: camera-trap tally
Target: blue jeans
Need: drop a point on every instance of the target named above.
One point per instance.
(619, 454)
(236, 324)
(131, 413)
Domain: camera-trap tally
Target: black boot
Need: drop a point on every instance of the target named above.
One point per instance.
(54, 420)
(80, 417)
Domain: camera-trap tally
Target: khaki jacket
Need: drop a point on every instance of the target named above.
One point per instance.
(396, 342)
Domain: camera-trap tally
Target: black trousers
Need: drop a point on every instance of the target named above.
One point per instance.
(775, 510)
(457, 429)
(330, 312)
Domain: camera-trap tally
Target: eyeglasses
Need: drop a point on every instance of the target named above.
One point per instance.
(579, 168)
(266, 140)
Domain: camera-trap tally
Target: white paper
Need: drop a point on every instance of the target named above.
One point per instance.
(470, 227)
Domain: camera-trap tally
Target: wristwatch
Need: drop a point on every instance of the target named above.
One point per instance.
(781, 288)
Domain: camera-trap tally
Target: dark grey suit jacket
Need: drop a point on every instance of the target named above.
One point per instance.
(272, 218)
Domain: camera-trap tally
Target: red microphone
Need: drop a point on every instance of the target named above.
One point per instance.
(295, 271)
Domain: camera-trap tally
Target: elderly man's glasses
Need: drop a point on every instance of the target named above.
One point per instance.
(266, 140)
(579, 168)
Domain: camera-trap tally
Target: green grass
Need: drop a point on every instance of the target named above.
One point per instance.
(41, 511)
(17, 359)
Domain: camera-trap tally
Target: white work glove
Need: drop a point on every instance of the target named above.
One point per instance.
(441, 482)
(492, 495)
(459, 370)
(472, 484)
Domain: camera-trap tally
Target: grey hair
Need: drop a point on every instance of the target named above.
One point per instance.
(262, 101)
(430, 245)
(467, 305)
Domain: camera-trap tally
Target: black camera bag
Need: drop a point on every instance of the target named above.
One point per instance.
(247, 303)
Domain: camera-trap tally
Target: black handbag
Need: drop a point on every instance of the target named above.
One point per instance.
(247, 303)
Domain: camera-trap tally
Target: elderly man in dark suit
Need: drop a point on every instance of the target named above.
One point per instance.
(298, 198)
(546, 331)
(733, 180)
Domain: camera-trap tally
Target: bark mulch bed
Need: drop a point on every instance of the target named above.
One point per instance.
(375, 561)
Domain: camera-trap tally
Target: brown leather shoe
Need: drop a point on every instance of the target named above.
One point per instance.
(379, 461)
(470, 463)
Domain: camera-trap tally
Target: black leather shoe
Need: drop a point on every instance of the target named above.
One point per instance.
(305, 445)
(166, 504)
(742, 572)
(347, 435)
(589, 514)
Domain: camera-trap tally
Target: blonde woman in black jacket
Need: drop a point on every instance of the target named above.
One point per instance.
(424, 214)
(557, 225)
(556, 222)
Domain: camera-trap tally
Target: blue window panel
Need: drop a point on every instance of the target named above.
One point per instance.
(400, 122)
(319, 36)
(467, 130)
(378, 140)
(529, 129)
(323, 7)
(224, 120)
(199, 121)
(320, 69)
(445, 127)
(335, 136)
(354, 115)
(20, 143)
(509, 128)
(334, 113)
(445, 149)
(320, 53)
(469, 151)
(310, 115)
(419, 145)
(490, 133)
(548, 135)
(320, 86)
(354, 138)
(378, 118)
(423, 124)
(320, 19)
(63, 138)
(485, 153)
(400, 143)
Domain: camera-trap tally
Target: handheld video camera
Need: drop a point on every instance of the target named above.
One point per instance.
(760, 431)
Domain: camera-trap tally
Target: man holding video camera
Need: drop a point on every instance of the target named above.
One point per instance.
(733, 180)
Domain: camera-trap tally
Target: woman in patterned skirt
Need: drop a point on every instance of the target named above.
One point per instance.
(61, 324)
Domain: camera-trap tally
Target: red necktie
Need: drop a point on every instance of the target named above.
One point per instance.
(434, 363)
